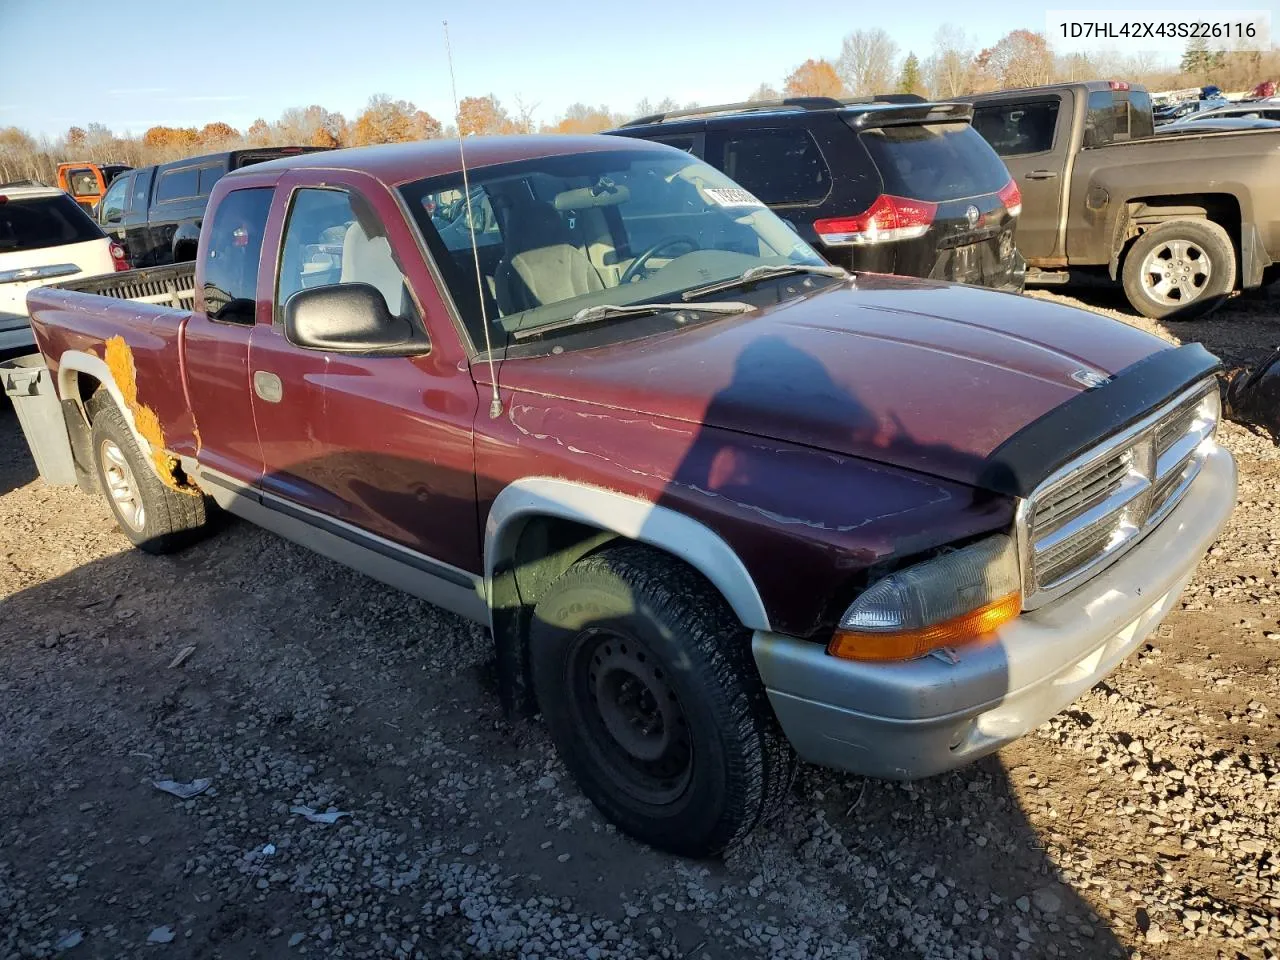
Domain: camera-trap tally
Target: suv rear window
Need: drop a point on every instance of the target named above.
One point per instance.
(935, 161)
(779, 166)
(36, 222)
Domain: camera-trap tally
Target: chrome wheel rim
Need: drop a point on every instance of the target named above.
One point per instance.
(1176, 272)
(121, 486)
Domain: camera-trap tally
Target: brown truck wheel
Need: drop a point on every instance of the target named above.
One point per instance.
(154, 517)
(1180, 270)
(646, 682)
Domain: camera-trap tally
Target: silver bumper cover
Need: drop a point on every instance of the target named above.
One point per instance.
(922, 717)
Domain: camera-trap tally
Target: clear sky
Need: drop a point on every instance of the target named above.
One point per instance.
(139, 63)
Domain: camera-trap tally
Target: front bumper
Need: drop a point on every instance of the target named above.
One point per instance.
(918, 718)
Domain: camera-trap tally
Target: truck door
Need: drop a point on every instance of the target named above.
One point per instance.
(216, 343)
(1033, 137)
(381, 443)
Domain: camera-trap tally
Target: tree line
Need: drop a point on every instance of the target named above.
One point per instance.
(869, 62)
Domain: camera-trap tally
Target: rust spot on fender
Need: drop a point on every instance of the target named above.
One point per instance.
(119, 360)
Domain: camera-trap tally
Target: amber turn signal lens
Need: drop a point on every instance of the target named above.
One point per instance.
(909, 644)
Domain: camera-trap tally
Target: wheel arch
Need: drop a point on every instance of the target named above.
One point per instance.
(80, 376)
(1140, 214)
(540, 526)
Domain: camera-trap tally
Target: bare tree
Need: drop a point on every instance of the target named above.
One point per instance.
(763, 92)
(868, 62)
(523, 122)
(947, 71)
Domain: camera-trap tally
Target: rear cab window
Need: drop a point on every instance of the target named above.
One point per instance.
(231, 256)
(34, 223)
(935, 161)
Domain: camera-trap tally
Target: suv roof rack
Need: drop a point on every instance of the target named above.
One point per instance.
(788, 103)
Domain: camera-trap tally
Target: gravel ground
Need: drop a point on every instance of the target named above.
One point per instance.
(1141, 822)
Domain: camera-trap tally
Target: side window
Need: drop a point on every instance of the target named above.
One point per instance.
(82, 183)
(1014, 129)
(112, 209)
(779, 166)
(334, 237)
(231, 256)
(177, 184)
(208, 177)
(128, 192)
(141, 186)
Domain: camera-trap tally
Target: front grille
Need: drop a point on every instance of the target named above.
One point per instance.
(1087, 514)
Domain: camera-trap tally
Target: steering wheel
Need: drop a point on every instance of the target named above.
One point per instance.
(638, 264)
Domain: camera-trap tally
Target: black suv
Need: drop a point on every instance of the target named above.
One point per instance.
(155, 212)
(891, 184)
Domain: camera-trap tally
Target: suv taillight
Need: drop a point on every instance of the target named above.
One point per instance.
(1011, 197)
(119, 257)
(888, 219)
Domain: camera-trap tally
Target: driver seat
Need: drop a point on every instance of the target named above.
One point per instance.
(540, 262)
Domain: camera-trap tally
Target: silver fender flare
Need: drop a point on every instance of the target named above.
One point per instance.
(629, 517)
(75, 362)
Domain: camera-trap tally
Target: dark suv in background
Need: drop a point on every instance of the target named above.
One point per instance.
(892, 184)
(155, 212)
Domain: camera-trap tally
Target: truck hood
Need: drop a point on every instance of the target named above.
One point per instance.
(928, 376)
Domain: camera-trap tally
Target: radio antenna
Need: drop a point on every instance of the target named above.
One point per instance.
(495, 403)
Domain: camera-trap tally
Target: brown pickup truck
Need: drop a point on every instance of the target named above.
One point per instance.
(1180, 220)
(720, 504)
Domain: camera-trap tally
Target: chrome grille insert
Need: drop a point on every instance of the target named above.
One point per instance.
(1086, 515)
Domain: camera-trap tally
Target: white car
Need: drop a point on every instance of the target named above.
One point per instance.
(45, 236)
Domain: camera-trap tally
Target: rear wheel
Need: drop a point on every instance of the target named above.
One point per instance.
(646, 683)
(1180, 270)
(154, 517)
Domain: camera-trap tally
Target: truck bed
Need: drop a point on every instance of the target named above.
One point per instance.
(136, 333)
(173, 285)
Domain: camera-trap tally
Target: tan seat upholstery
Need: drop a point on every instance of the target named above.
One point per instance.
(541, 264)
(368, 259)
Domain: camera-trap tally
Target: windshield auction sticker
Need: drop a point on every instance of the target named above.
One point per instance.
(731, 197)
(1159, 30)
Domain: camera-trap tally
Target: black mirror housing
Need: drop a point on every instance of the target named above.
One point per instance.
(350, 318)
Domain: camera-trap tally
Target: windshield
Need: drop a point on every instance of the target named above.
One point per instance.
(558, 234)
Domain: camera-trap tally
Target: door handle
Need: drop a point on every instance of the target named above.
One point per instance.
(1041, 175)
(268, 386)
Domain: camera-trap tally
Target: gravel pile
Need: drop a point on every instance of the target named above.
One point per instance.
(1141, 822)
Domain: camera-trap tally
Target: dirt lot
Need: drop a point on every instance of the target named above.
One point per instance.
(1142, 822)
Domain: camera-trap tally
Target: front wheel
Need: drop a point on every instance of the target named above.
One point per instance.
(1180, 270)
(646, 683)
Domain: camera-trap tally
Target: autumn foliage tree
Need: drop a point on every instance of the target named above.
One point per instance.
(76, 138)
(1020, 59)
(483, 116)
(814, 78)
(580, 118)
(392, 121)
(217, 133)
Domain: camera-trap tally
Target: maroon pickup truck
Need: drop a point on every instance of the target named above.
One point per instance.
(719, 502)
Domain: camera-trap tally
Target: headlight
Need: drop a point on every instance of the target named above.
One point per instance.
(948, 601)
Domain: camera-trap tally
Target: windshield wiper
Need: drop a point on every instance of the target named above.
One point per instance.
(607, 311)
(765, 271)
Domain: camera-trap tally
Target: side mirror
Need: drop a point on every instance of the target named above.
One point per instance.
(350, 318)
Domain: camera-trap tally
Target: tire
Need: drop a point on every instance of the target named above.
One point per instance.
(1180, 270)
(645, 680)
(154, 517)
